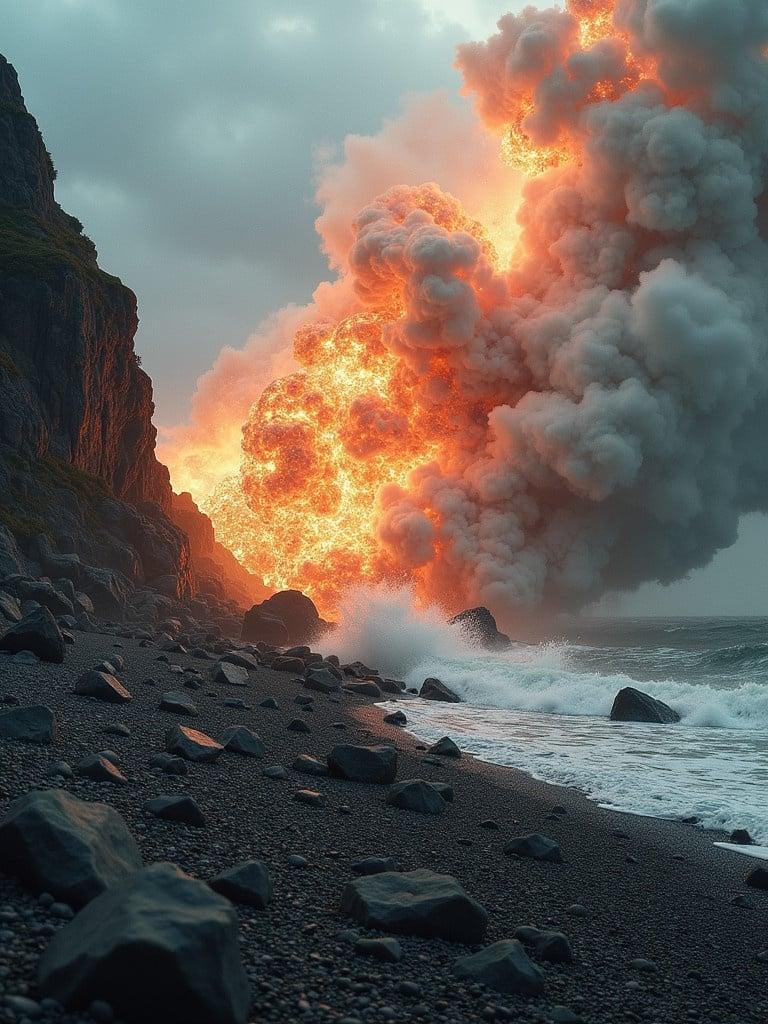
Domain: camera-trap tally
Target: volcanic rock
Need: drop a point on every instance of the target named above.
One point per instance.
(297, 613)
(535, 846)
(247, 883)
(445, 747)
(225, 673)
(321, 680)
(298, 725)
(37, 632)
(177, 703)
(179, 807)
(100, 769)
(283, 664)
(479, 626)
(33, 724)
(364, 688)
(386, 949)
(631, 705)
(372, 865)
(308, 765)
(395, 718)
(239, 739)
(416, 795)
(309, 796)
(168, 763)
(363, 764)
(259, 627)
(101, 686)
(191, 744)
(740, 837)
(75, 850)
(758, 877)
(547, 945)
(433, 689)
(503, 966)
(10, 610)
(241, 658)
(415, 903)
(160, 946)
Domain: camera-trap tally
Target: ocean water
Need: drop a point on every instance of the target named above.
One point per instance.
(543, 706)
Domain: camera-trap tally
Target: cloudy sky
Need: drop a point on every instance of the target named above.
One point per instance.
(187, 135)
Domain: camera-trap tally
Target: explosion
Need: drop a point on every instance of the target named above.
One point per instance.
(534, 416)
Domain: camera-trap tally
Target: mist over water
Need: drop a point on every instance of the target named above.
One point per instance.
(543, 707)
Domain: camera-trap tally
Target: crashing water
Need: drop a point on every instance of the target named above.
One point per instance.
(543, 708)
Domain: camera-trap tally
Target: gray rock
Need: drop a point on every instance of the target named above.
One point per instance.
(503, 966)
(445, 747)
(547, 945)
(168, 763)
(100, 769)
(37, 632)
(395, 718)
(33, 724)
(758, 877)
(416, 795)
(298, 725)
(178, 703)
(433, 689)
(415, 903)
(321, 680)
(239, 739)
(372, 865)
(247, 883)
(283, 664)
(101, 686)
(365, 688)
(275, 771)
(75, 850)
(241, 658)
(227, 674)
(377, 764)
(309, 796)
(116, 729)
(10, 609)
(158, 947)
(479, 627)
(536, 846)
(309, 765)
(270, 703)
(179, 807)
(631, 705)
(191, 744)
(386, 949)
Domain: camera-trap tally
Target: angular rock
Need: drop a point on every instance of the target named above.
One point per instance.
(391, 685)
(179, 807)
(37, 632)
(386, 949)
(191, 744)
(364, 688)
(536, 846)
(358, 670)
(547, 945)
(168, 763)
(10, 609)
(631, 705)
(445, 747)
(100, 769)
(503, 966)
(177, 703)
(372, 865)
(101, 686)
(35, 723)
(259, 627)
(740, 837)
(415, 903)
(225, 673)
(241, 658)
(377, 764)
(160, 946)
(308, 765)
(309, 796)
(239, 739)
(247, 883)
(298, 725)
(297, 613)
(479, 627)
(395, 718)
(72, 849)
(282, 664)
(758, 877)
(433, 689)
(321, 680)
(416, 795)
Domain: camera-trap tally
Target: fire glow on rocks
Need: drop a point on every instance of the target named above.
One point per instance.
(580, 417)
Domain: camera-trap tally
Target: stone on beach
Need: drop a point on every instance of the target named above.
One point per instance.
(536, 846)
(503, 966)
(226, 673)
(445, 747)
(321, 680)
(247, 883)
(417, 902)
(159, 946)
(631, 705)
(35, 723)
(179, 807)
(433, 689)
(177, 703)
(100, 769)
(239, 739)
(73, 849)
(416, 795)
(38, 632)
(547, 945)
(377, 764)
(191, 744)
(101, 686)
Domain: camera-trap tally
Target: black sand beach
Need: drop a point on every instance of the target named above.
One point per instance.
(646, 904)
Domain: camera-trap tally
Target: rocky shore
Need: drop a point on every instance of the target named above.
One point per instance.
(619, 919)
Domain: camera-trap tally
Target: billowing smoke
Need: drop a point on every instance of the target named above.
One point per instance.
(592, 414)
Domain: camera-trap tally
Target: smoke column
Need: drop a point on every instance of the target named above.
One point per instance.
(583, 417)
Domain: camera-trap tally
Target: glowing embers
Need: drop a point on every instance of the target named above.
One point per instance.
(317, 448)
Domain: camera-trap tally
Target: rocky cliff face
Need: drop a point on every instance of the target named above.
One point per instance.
(81, 491)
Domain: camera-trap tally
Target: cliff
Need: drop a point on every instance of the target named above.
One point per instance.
(81, 492)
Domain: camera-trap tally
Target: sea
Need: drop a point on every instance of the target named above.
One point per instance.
(542, 707)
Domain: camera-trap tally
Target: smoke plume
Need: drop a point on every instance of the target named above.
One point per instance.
(585, 416)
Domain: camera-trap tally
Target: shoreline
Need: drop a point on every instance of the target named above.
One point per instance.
(670, 904)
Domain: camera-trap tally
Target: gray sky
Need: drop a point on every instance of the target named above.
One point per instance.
(185, 134)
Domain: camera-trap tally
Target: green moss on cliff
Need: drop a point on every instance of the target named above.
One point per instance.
(58, 473)
(31, 246)
(23, 526)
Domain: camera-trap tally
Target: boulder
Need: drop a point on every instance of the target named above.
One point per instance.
(37, 632)
(294, 609)
(179, 807)
(239, 739)
(10, 609)
(258, 627)
(385, 948)
(177, 703)
(247, 883)
(160, 946)
(72, 849)
(535, 846)
(479, 627)
(445, 747)
(288, 664)
(415, 903)
(395, 718)
(100, 769)
(241, 658)
(741, 837)
(433, 689)
(101, 686)
(35, 723)
(168, 763)
(308, 765)
(758, 877)
(365, 688)
(225, 673)
(503, 966)
(191, 744)
(416, 795)
(547, 945)
(42, 592)
(631, 705)
(363, 764)
(372, 865)
(321, 680)
(358, 670)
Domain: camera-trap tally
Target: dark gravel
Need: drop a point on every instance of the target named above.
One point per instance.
(656, 937)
